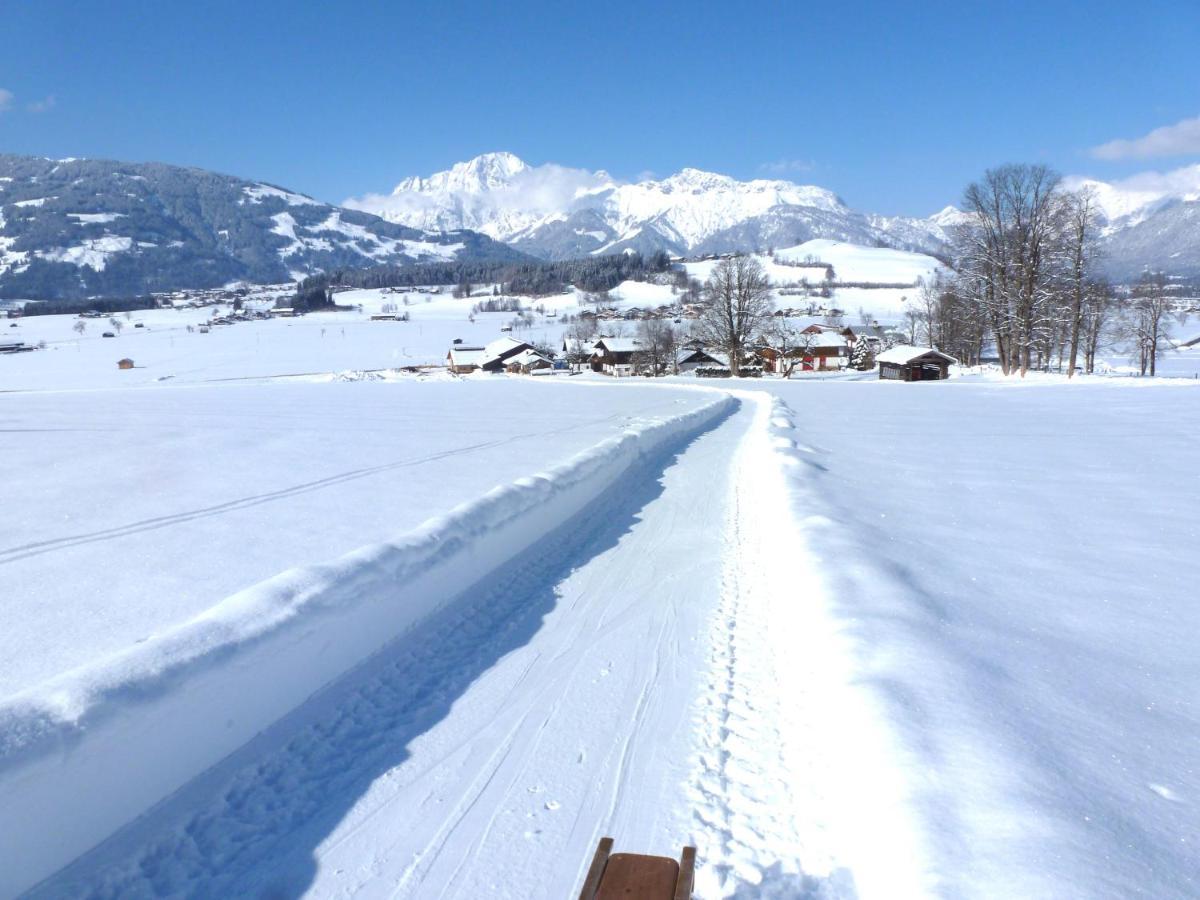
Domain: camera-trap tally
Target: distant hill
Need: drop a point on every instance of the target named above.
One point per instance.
(77, 228)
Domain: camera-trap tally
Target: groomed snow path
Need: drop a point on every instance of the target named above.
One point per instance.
(626, 678)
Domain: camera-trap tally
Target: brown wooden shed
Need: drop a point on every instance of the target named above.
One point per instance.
(125, 364)
(908, 363)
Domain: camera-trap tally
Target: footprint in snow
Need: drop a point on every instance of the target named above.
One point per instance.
(552, 805)
(1165, 792)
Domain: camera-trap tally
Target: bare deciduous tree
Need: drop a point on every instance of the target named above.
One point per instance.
(1080, 228)
(1149, 308)
(1006, 255)
(738, 297)
(656, 347)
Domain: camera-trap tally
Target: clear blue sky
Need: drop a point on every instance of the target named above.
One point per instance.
(893, 105)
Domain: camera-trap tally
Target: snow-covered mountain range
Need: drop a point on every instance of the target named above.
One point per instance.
(76, 228)
(1150, 221)
(556, 212)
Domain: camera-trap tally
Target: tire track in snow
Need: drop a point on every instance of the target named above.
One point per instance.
(249, 824)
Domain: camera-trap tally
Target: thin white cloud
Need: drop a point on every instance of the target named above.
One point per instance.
(44, 105)
(6, 99)
(787, 166)
(1180, 139)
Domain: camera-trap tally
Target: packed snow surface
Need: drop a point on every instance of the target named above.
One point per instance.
(141, 514)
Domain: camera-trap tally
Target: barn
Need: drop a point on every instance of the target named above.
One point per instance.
(909, 363)
(463, 359)
(614, 356)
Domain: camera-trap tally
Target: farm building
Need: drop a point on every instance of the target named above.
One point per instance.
(614, 356)
(691, 358)
(816, 351)
(497, 354)
(495, 357)
(526, 363)
(908, 363)
(463, 359)
(125, 363)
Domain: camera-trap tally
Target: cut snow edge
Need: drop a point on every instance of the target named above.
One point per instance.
(85, 753)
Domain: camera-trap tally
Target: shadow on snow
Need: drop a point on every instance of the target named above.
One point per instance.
(251, 825)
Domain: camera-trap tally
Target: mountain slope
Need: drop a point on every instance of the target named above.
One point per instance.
(79, 228)
(1149, 221)
(556, 213)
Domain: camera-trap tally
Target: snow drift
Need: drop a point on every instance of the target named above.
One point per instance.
(89, 751)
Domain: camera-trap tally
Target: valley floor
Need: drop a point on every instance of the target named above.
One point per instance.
(851, 639)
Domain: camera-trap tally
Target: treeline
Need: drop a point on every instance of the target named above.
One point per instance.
(534, 279)
(1026, 281)
(74, 307)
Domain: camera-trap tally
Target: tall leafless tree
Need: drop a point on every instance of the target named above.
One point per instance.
(738, 297)
(1079, 232)
(656, 347)
(1006, 255)
(1148, 311)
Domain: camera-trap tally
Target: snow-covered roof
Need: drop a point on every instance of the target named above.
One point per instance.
(500, 349)
(906, 353)
(465, 356)
(572, 344)
(825, 339)
(618, 345)
(525, 358)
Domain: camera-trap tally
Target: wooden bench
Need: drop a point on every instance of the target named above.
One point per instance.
(631, 876)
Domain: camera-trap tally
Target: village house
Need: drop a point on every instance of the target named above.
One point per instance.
(576, 352)
(527, 362)
(461, 359)
(909, 363)
(817, 350)
(691, 358)
(614, 356)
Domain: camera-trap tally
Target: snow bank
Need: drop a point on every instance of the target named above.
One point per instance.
(87, 752)
(859, 802)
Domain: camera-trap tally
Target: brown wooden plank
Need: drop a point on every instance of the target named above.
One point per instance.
(687, 873)
(631, 876)
(591, 884)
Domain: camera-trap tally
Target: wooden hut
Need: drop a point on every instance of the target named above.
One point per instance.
(125, 363)
(908, 363)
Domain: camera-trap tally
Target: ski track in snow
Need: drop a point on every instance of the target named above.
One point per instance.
(632, 676)
(11, 554)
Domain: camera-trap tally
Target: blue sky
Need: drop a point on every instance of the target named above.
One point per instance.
(895, 106)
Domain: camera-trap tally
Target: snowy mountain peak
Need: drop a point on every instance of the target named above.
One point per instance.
(486, 172)
(558, 212)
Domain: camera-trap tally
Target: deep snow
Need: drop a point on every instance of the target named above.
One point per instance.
(129, 511)
(1016, 566)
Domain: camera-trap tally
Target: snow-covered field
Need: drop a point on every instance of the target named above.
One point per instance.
(283, 620)
(1016, 567)
(132, 510)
